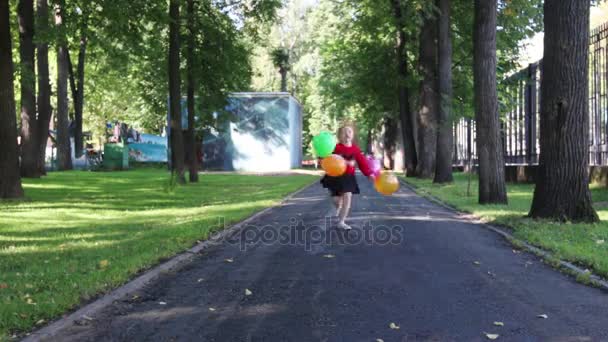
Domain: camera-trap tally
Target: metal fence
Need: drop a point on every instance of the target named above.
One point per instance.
(520, 104)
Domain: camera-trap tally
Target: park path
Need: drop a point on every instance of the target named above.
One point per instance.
(440, 278)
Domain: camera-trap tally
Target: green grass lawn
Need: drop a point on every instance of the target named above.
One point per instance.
(79, 234)
(579, 243)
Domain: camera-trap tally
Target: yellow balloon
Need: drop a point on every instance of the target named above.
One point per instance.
(334, 165)
(386, 183)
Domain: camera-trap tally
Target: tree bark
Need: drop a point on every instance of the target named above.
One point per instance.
(191, 143)
(492, 187)
(77, 86)
(405, 115)
(10, 180)
(64, 155)
(443, 166)
(44, 86)
(389, 143)
(177, 140)
(29, 147)
(283, 73)
(427, 113)
(562, 183)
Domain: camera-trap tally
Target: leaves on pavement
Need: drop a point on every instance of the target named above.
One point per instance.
(491, 336)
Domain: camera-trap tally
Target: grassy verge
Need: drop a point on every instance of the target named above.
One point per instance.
(81, 233)
(584, 244)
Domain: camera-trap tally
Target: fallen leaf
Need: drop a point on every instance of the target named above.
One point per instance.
(394, 326)
(248, 293)
(499, 324)
(87, 318)
(162, 303)
(543, 316)
(476, 263)
(211, 309)
(491, 336)
(103, 263)
(329, 256)
(40, 322)
(3, 286)
(229, 260)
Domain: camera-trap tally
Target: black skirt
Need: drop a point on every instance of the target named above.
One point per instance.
(339, 185)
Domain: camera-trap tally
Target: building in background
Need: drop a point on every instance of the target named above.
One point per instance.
(258, 132)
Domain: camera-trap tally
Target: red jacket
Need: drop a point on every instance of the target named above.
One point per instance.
(353, 153)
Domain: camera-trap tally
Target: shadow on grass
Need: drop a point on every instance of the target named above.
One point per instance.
(81, 232)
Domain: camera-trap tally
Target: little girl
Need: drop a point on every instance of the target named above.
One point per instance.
(343, 187)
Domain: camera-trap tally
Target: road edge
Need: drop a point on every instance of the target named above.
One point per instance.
(89, 311)
(570, 268)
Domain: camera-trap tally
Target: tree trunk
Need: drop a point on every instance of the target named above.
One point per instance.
(10, 180)
(427, 113)
(64, 155)
(283, 73)
(443, 164)
(44, 86)
(369, 149)
(29, 147)
(177, 139)
(77, 87)
(389, 143)
(191, 143)
(562, 182)
(407, 127)
(492, 187)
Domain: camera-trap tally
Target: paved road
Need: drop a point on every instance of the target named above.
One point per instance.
(424, 280)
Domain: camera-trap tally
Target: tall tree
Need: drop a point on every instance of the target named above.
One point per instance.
(29, 147)
(64, 154)
(77, 81)
(191, 143)
(44, 85)
(492, 187)
(562, 182)
(10, 181)
(177, 139)
(443, 166)
(280, 59)
(405, 115)
(427, 112)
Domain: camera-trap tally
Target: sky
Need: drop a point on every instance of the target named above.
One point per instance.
(534, 50)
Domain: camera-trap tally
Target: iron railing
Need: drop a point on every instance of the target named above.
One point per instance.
(520, 104)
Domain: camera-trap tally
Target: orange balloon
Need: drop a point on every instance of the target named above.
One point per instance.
(386, 183)
(334, 165)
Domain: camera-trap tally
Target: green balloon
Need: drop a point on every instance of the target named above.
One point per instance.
(324, 144)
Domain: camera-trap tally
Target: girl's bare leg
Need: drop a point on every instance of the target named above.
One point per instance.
(346, 202)
(338, 203)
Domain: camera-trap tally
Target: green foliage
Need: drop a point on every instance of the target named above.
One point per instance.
(280, 58)
(126, 61)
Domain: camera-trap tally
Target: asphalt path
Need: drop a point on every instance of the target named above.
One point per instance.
(408, 271)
